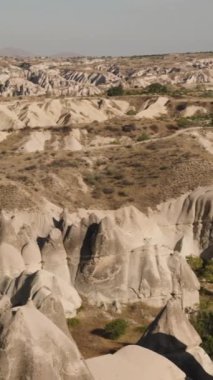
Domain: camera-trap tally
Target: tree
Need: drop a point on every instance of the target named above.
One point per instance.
(116, 91)
(116, 328)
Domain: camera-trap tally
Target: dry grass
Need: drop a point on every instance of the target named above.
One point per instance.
(149, 174)
(141, 174)
(123, 173)
(88, 333)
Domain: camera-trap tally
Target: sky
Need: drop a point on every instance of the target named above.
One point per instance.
(107, 27)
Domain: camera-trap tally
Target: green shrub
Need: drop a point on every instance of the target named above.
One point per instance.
(131, 113)
(183, 122)
(143, 137)
(208, 94)
(204, 270)
(108, 190)
(196, 263)
(115, 142)
(141, 329)
(122, 194)
(116, 328)
(116, 91)
(91, 178)
(72, 322)
(129, 128)
(181, 106)
(178, 92)
(156, 88)
(207, 272)
(204, 120)
(203, 323)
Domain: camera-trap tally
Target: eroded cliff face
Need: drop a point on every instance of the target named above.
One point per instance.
(189, 220)
(172, 336)
(83, 77)
(33, 347)
(132, 361)
(116, 257)
(27, 268)
(49, 256)
(65, 140)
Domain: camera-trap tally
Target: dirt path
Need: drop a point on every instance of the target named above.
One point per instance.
(155, 139)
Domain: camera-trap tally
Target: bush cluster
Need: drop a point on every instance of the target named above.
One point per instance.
(203, 323)
(204, 270)
(156, 88)
(73, 322)
(143, 137)
(204, 120)
(116, 91)
(115, 329)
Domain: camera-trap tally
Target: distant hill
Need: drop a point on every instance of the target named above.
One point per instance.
(21, 53)
(66, 54)
(15, 52)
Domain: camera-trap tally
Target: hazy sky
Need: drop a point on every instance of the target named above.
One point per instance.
(107, 27)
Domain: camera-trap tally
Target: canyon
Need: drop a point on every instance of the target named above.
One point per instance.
(106, 199)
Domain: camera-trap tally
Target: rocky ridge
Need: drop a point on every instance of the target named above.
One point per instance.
(97, 251)
(94, 258)
(180, 345)
(88, 77)
(30, 350)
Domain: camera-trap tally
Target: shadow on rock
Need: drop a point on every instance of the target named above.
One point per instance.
(174, 350)
(99, 332)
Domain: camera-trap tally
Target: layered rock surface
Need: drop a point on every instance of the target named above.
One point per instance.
(124, 256)
(132, 362)
(109, 256)
(32, 347)
(29, 268)
(17, 115)
(83, 77)
(128, 256)
(172, 335)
